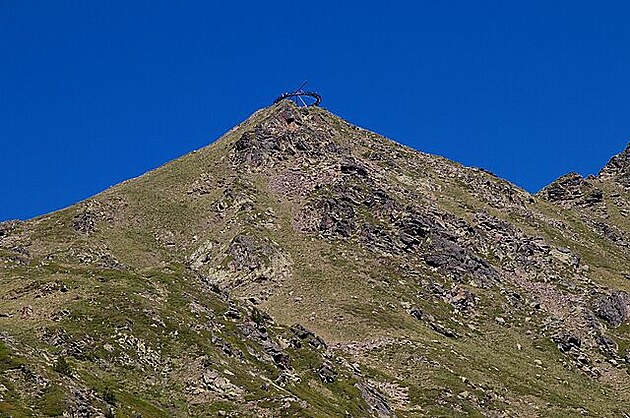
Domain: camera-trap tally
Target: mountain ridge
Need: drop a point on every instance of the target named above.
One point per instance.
(355, 275)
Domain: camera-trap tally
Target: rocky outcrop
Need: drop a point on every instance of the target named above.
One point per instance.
(613, 308)
(7, 228)
(332, 217)
(572, 190)
(248, 262)
(84, 222)
(300, 336)
(459, 262)
(258, 332)
(286, 135)
(377, 402)
(618, 168)
(609, 232)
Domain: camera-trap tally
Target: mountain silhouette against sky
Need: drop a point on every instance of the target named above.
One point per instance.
(303, 266)
(94, 94)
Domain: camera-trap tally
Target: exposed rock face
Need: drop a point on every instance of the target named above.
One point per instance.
(377, 402)
(245, 254)
(568, 342)
(301, 335)
(84, 223)
(461, 298)
(330, 217)
(618, 168)
(302, 266)
(6, 228)
(613, 308)
(455, 260)
(253, 264)
(258, 332)
(572, 190)
(284, 136)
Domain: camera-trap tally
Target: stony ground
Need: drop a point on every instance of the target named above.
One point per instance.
(302, 266)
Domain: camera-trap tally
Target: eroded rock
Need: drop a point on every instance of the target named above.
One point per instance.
(572, 190)
(375, 400)
(613, 308)
(618, 168)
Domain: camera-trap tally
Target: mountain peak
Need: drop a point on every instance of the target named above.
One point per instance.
(618, 166)
(286, 131)
(303, 266)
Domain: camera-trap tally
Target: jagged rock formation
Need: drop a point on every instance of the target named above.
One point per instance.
(618, 168)
(301, 266)
(573, 190)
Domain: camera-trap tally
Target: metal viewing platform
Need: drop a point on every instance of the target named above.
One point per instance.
(301, 97)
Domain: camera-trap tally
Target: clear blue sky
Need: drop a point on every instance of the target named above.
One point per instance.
(95, 92)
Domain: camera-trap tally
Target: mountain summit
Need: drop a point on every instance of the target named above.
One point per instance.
(302, 266)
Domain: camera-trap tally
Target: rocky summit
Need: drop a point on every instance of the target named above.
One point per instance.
(302, 266)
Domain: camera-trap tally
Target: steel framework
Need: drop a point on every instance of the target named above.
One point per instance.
(301, 97)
